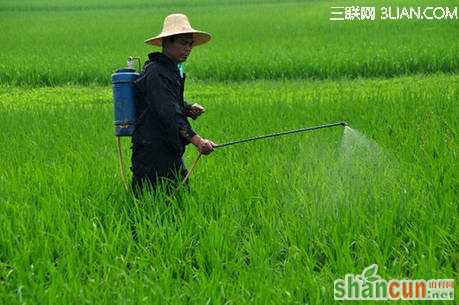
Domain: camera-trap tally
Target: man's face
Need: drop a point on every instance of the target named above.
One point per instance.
(180, 47)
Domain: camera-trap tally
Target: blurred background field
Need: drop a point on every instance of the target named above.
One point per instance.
(272, 222)
(83, 42)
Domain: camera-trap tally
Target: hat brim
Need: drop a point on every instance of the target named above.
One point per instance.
(199, 37)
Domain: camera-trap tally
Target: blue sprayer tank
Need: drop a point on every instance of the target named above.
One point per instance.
(124, 99)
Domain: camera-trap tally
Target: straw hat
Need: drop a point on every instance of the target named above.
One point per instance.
(178, 24)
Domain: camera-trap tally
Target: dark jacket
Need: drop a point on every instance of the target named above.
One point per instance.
(161, 110)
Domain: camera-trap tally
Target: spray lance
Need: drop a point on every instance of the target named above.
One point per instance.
(125, 116)
(267, 136)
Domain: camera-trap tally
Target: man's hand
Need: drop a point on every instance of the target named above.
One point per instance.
(204, 146)
(195, 111)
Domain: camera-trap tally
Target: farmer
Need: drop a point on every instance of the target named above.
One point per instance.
(162, 129)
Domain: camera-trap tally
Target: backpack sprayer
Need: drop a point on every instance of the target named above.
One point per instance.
(124, 106)
(125, 115)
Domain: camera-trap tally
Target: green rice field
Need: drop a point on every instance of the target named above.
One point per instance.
(83, 42)
(268, 222)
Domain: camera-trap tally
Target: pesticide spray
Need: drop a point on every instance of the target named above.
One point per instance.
(125, 116)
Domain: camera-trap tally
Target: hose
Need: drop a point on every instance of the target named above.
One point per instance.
(121, 164)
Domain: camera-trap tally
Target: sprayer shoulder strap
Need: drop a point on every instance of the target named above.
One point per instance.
(142, 115)
(141, 96)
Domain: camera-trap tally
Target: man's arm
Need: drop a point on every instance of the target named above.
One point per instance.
(163, 99)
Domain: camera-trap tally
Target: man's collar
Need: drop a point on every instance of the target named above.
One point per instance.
(162, 58)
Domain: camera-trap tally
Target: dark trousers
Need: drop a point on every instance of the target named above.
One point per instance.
(156, 164)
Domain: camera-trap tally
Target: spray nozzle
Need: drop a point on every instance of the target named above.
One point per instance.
(344, 124)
